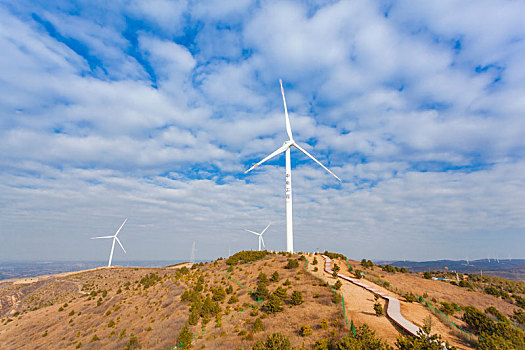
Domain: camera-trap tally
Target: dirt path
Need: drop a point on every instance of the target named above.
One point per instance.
(359, 304)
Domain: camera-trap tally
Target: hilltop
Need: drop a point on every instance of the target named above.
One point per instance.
(250, 300)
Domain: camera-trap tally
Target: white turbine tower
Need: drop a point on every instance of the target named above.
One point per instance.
(115, 238)
(286, 148)
(261, 240)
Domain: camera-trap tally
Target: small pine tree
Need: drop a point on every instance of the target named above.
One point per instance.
(184, 338)
(338, 285)
(275, 277)
(378, 308)
(258, 325)
(280, 292)
(315, 261)
(324, 324)
(297, 298)
(273, 305)
(292, 264)
(335, 270)
(193, 319)
(305, 330)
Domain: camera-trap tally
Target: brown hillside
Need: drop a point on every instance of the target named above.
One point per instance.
(106, 308)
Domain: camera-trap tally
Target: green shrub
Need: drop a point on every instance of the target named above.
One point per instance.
(409, 297)
(496, 313)
(246, 256)
(258, 325)
(292, 264)
(233, 299)
(275, 277)
(427, 275)
(111, 324)
(519, 316)
(367, 263)
(336, 298)
(94, 338)
(389, 268)
(424, 341)
(297, 297)
(184, 338)
(494, 335)
(261, 292)
(324, 324)
(338, 285)
(229, 289)
(334, 255)
(363, 339)
(133, 343)
(273, 305)
(335, 270)
(378, 308)
(275, 341)
(448, 308)
(465, 284)
(149, 280)
(280, 292)
(314, 262)
(219, 294)
(305, 331)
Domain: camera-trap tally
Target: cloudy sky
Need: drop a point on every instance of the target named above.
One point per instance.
(153, 110)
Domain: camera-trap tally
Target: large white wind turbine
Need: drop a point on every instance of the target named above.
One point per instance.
(115, 238)
(286, 148)
(261, 240)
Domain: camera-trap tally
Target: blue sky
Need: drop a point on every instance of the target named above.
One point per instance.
(152, 110)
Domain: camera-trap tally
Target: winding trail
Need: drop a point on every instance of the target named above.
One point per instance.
(393, 309)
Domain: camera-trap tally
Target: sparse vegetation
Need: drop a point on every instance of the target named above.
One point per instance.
(338, 285)
(297, 297)
(275, 277)
(305, 331)
(246, 256)
(275, 341)
(292, 264)
(378, 308)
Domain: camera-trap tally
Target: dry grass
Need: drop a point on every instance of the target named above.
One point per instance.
(113, 316)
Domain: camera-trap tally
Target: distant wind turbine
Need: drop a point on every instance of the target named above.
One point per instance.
(286, 148)
(115, 238)
(192, 257)
(261, 240)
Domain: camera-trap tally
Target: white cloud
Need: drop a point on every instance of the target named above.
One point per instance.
(430, 150)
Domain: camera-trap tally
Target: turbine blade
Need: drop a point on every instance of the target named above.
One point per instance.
(262, 240)
(263, 231)
(276, 152)
(121, 246)
(101, 237)
(315, 160)
(120, 228)
(255, 233)
(287, 119)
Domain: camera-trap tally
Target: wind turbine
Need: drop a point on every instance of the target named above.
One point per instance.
(261, 240)
(288, 173)
(115, 238)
